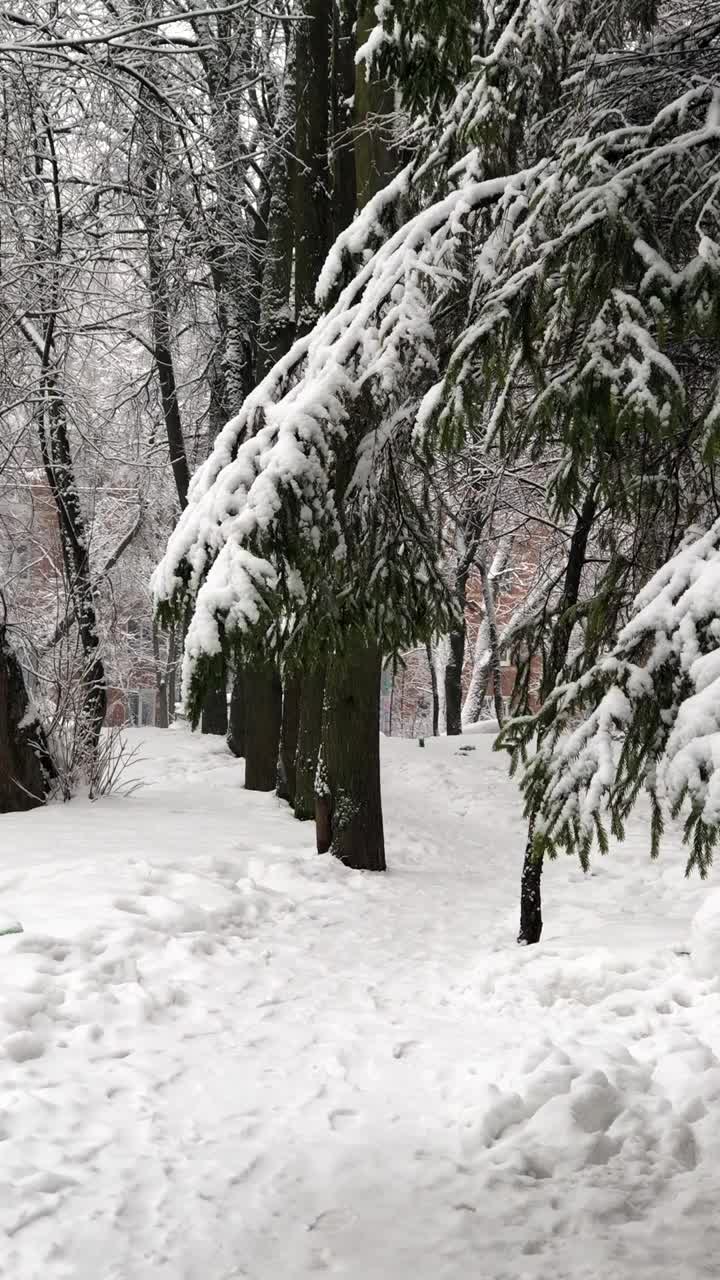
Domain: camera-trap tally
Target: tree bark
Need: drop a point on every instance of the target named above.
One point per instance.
(60, 473)
(530, 893)
(263, 714)
(312, 168)
(287, 768)
(453, 682)
(151, 133)
(214, 717)
(236, 720)
(344, 185)
(348, 800)
(161, 674)
(493, 641)
(308, 744)
(434, 689)
(25, 765)
(161, 336)
(531, 878)
(172, 672)
(375, 156)
(349, 810)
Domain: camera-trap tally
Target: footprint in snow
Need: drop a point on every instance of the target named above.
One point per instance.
(405, 1047)
(341, 1119)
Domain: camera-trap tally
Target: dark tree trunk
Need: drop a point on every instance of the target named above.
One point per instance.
(376, 158)
(60, 473)
(263, 714)
(25, 766)
(312, 170)
(453, 681)
(349, 810)
(310, 715)
(214, 712)
(435, 696)
(531, 879)
(344, 185)
(530, 893)
(159, 290)
(162, 352)
(287, 768)
(236, 720)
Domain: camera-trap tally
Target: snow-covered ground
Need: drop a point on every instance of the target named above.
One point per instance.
(224, 1057)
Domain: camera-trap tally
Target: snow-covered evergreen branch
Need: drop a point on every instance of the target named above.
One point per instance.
(647, 715)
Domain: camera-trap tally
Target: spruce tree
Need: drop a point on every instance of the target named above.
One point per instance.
(521, 279)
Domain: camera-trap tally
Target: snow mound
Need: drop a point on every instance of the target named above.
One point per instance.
(224, 1056)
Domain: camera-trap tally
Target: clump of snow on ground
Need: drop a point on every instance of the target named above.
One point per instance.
(222, 1056)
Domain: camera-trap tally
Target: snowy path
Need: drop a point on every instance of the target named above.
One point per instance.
(223, 1057)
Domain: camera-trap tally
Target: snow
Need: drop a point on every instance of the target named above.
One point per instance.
(223, 1056)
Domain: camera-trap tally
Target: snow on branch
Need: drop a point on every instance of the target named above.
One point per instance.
(266, 497)
(647, 715)
(570, 253)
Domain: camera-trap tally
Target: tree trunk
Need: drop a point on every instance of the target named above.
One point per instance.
(312, 169)
(349, 811)
(453, 682)
(236, 720)
(481, 670)
(25, 765)
(263, 714)
(287, 768)
(158, 279)
(434, 690)
(171, 673)
(54, 435)
(344, 186)
(493, 641)
(214, 713)
(440, 659)
(308, 743)
(161, 675)
(530, 893)
(60, 473)
(530, 882)
(348, 803)
(376, 159)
